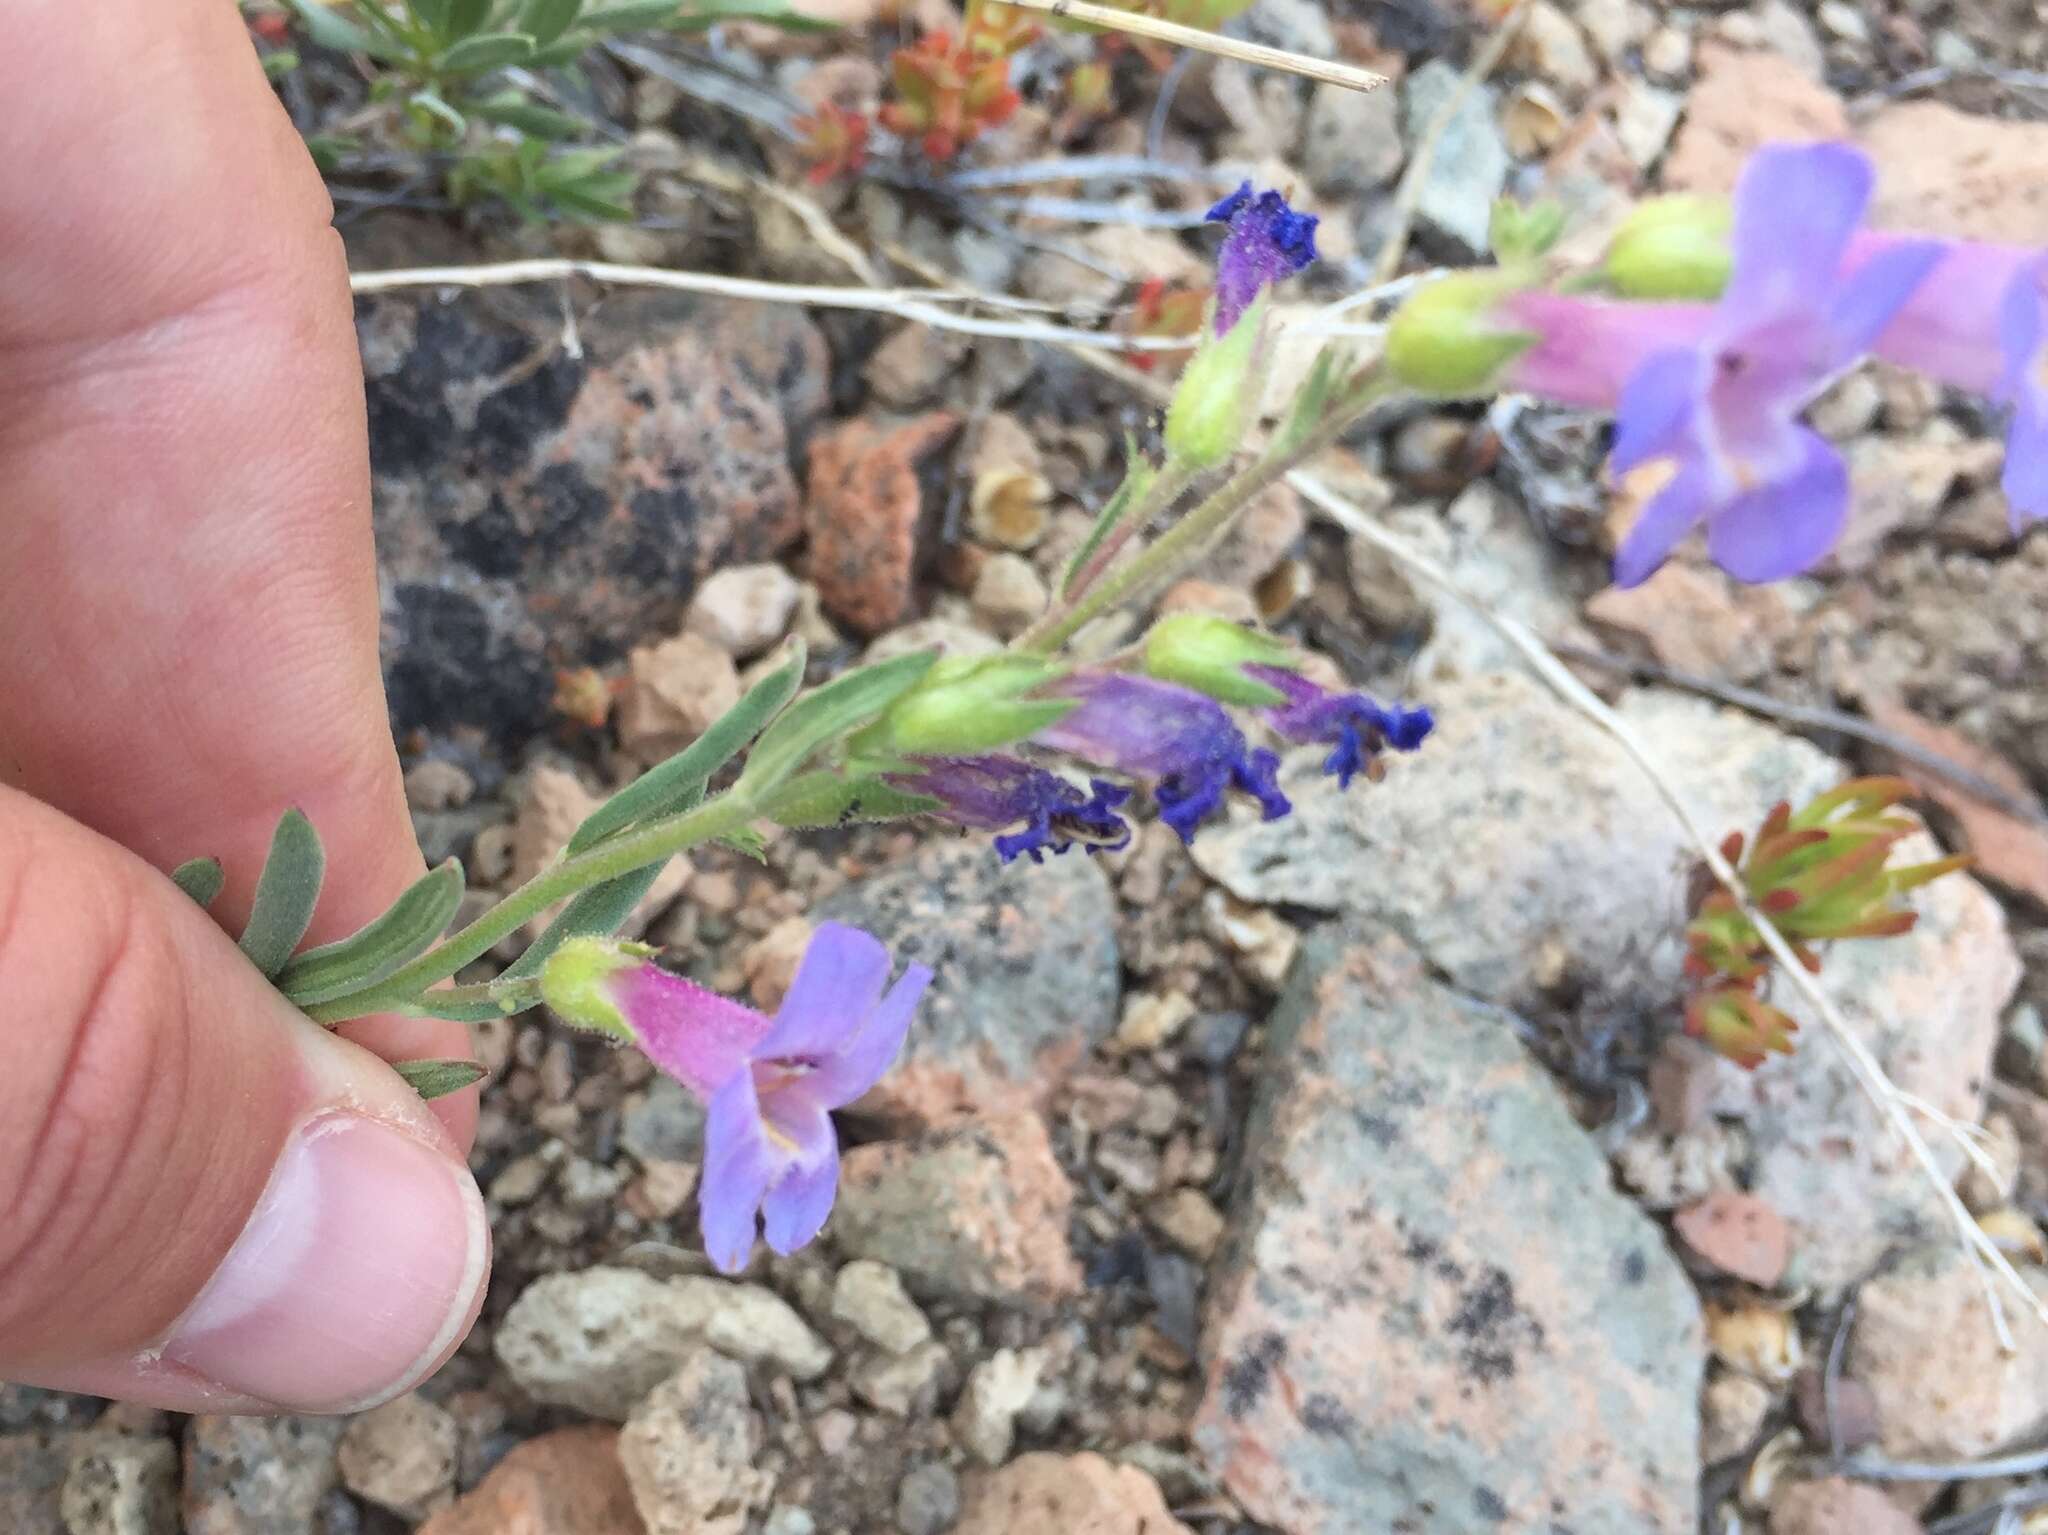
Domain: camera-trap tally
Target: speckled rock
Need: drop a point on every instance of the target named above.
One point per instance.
(120, 1484)
(1044, 1494)
(869, 1297)
(1026, 974)
(1471, 162)
(597, 1341)
(568, 1482)
(401, 1456)
(258, 1476)
(865, 509)
(535, 509)
(1434, 1313)
(1838, 1507)
(1527, 858)
(1924, 1345)
(1957, 174)
(689, 1449)
(976, 1212)
(32, 1470)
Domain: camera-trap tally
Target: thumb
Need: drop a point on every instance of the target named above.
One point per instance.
(206, 1201)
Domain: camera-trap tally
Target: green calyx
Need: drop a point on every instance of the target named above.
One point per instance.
(1672, 248)
(576, 983)
(1210, 655)
(966, 704)
(1446, 341)
(1214, 402)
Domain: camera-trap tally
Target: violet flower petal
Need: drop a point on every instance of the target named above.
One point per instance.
(1654, 416)
(2023, 347)
(794, 1210)
(1268, 241)
(843, 1077)
(1786, 524)
(696, 1036)
(1796, 206)
(1675, 511)
(838, 980)
(1876, 290)
(740, 1166)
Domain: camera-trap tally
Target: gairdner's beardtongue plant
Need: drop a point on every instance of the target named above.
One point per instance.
(768, 1085)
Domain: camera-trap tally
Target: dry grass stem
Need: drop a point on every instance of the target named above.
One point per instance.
(1152, 28)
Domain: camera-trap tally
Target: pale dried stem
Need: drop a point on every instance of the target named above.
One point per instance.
(922, 305)
(1155, 30)
(1408, 195)
(1895, 1106)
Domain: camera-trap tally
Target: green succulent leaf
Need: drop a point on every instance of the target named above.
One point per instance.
(398, 937)
(200, 878)
(835, 710)
(331, 30)
(437, 1079)
(546, 20)
(286, 893)
(678, 784)
(487, 51)
(514, 111)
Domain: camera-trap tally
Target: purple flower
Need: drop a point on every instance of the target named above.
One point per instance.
(1725, 408)
(1355, 728)
(991, 792)
(1980, 322)
(1181, 740)
(1268, 241)
(769, 1085)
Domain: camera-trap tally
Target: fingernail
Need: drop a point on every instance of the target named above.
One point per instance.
(357, 1270)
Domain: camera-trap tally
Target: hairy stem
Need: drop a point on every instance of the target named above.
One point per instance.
(635, 849)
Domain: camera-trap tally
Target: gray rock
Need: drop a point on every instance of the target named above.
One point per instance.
(869, 1297)
(121, 1484)
(1351, 140)
(1299, 26)
(662, 1123)
(997, 1391)
(1434, 1310)
(535, 509)
(1526, 858)
(754, 1325)
(928, 1500)
(786, 1519)
(900, 1384)
(597, 1341)
(33, 1466)
(258, 1476)
(689, 1450)
(1470, 168)
(401, 1456)
(1027, 973)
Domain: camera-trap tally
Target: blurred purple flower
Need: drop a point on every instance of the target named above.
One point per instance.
(989, 793)
(1268, 241)
(1772, 493)
(1180, 740)
(1351, 724)
(1980, 322)
(770, 1085)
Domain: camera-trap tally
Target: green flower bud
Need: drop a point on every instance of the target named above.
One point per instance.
(576, 982)
(1214, 402)
(967, 704)
(1445, 341)
(1672, 248)
(1210, 655)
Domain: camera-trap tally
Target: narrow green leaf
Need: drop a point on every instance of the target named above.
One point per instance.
(608, 198)
(437, 1079)
(1310, 403)
(828, 799)
(677, 784)
(200, 878)
(1137, 480)
(433, 15)
(596, 912)
(566, 49)
(748, 841)
(622, 15)
(279, 64)
(776, 13)
(329, 149)
(486, 51)
(546, 20)
(428, 104)
(515, 111)
(465, 18)
(437, 1005)
(365, 957)
(834, 710)
(331, 30)
(286, 893)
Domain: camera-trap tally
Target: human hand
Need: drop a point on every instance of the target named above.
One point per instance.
(206, 1202)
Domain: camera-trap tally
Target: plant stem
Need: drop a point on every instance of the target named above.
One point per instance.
(635, 849)
(1185, 541)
